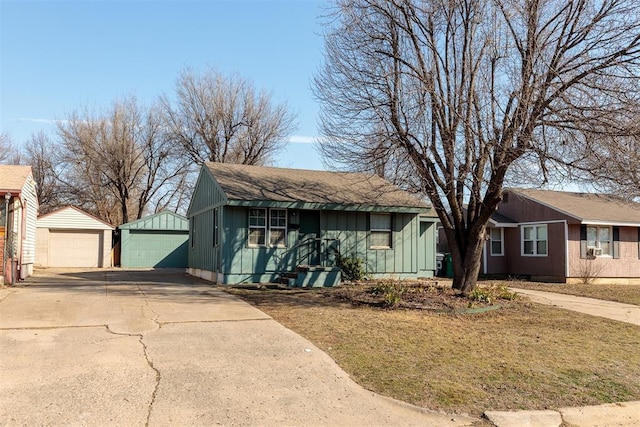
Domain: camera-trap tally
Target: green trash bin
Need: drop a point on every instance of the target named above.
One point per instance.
(448, 265)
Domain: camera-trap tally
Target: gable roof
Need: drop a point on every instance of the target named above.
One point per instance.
(261, 183)
(499, 220)
(164, 220)
(70, 217)
(13, 177)
(586, 207)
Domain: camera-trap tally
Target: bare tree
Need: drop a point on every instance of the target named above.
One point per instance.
(224, 119)
(466, 89)
(9, 155)
(40, 152)
(613, 166)
(118, 163)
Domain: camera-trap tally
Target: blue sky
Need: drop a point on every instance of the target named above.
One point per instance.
(59, 56)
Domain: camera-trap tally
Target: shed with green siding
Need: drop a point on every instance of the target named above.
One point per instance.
(158, 241)
(255, 224)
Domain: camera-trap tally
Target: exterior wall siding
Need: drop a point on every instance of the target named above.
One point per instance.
(242, 263)
(549, 267)
(496, 264)
(627, 266)
(70, 218)
(207, 195)
(159, 240)
(521, 209)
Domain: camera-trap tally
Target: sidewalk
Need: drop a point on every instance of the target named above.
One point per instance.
(596, 307)
(608, 415)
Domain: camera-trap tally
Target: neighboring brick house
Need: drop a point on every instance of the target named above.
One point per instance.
(564, 237)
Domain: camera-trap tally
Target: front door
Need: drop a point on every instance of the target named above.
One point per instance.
(309, 233)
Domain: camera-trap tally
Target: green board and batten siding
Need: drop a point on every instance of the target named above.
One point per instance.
(229, 259)
(157, 241)
(205, 218)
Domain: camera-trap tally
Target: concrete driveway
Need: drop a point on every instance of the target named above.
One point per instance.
(157, 348)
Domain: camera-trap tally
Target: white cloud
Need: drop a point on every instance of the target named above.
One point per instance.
(37, 120)
(301, 139)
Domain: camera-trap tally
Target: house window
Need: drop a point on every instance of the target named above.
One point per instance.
(599, 238)
(277, 227)
(534, 240)
(380, 227)
(496, 238)
(257, 226)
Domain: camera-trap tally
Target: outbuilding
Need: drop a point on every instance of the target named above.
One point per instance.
(70, 237)
(157, 241)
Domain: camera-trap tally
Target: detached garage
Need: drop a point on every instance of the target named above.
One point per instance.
(70, 237)
(158, 241)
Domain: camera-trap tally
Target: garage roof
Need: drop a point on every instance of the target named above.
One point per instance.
(72, 218)
(161, 221)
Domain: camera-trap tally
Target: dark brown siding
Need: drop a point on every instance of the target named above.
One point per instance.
(521, 209)
(550, 267)
(496, 264)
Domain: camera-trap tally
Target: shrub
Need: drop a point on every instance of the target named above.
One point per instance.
(391, 293)
(352, 268)
(489, 294)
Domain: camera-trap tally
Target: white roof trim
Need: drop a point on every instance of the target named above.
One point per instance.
(497, 224)
(611, 223)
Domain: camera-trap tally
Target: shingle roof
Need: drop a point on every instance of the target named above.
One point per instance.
(13, 177)
(587, 207)
(497, 218)
(242, 182)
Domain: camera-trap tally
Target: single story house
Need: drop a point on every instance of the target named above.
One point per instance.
(18, 214)
(251, 224)
(158, 241)
(564, 237)
(70, 237)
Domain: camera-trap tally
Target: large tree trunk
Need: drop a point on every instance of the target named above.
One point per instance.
(466, 254)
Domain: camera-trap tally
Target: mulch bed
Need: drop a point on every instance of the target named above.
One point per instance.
(418, 295)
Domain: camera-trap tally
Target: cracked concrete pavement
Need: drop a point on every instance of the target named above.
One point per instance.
(116, 347)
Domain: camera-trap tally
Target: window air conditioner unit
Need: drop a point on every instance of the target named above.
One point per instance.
(592, 251)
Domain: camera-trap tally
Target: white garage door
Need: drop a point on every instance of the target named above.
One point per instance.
(74, 248)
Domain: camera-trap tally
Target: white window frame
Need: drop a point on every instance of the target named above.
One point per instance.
(381, 230)
(491, 240)
(257, 227)
(278, 226)
(598, 242)
(535, 239)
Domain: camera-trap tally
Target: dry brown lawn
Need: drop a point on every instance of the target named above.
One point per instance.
(522, 356)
